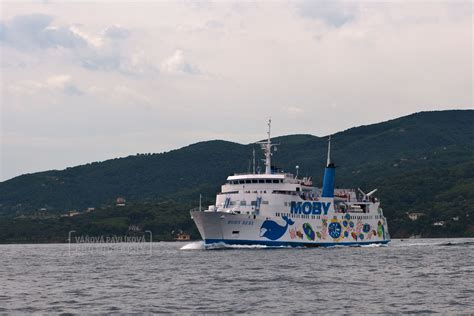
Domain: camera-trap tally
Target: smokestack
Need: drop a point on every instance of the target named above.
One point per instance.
(329, 173)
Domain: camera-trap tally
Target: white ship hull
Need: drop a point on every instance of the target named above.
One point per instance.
(280, 209)
(243, 229)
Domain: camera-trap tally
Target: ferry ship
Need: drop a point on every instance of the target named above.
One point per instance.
(282, 209)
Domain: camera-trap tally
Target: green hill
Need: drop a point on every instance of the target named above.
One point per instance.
(423, 162)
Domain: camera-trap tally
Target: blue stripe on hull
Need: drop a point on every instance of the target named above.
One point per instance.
(289, 243)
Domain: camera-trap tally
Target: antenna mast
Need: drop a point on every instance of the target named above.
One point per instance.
(253, 157)
(329, 152)
(267, 149)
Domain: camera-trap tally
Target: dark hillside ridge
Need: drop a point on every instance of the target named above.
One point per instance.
(419, 162)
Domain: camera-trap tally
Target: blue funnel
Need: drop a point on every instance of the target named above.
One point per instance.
(328, 181)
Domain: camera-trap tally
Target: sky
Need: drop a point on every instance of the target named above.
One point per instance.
(90, 81)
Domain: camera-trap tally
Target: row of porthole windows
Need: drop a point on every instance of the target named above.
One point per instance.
(298, 215)
(319, 217)
(248, 181)
(243, 203)
(365, 217)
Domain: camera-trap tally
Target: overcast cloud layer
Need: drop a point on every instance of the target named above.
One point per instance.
(83, 82)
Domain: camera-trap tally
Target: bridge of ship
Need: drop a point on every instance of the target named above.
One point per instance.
(259, 185)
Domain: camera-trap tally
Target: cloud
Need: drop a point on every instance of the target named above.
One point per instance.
(335, 13)
(373, 61)
(62, 83)
(116, 32)
(131, 97)
(92, 51)
(176, 63)
(214, 24)
(34, 31)
(56, 83)
(108, 50)
(3, 31)
(294, 110)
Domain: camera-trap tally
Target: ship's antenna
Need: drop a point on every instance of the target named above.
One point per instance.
(253, 157)
(329, 152)
(267, 149)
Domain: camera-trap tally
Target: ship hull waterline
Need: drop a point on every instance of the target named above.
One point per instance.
(219, 228)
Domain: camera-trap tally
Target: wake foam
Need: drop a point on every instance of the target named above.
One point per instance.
(196, 245)
(218, 246)
(200, 245)
(373, 245)
(434, 242)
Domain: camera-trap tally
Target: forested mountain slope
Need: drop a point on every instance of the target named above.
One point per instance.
(423, 162)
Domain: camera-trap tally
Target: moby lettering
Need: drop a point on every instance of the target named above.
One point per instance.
(310, 208)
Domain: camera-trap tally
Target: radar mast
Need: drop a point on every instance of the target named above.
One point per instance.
(329, 152)
(267, 149)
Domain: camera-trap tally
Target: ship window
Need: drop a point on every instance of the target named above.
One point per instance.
(247, 181)
(254, 181)
(241, 181)
(275, 181)
(261, 181)
(243, 202)
(268, 181)
(235, 232)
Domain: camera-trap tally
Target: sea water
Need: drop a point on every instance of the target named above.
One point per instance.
(408, 276)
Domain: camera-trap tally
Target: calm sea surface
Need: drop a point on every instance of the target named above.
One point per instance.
(412, 276)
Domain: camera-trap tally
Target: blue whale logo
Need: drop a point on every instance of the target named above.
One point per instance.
(271, 230)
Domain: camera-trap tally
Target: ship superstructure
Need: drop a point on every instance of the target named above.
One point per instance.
(281, 209)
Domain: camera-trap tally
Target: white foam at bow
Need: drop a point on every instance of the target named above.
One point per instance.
(196, 245)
